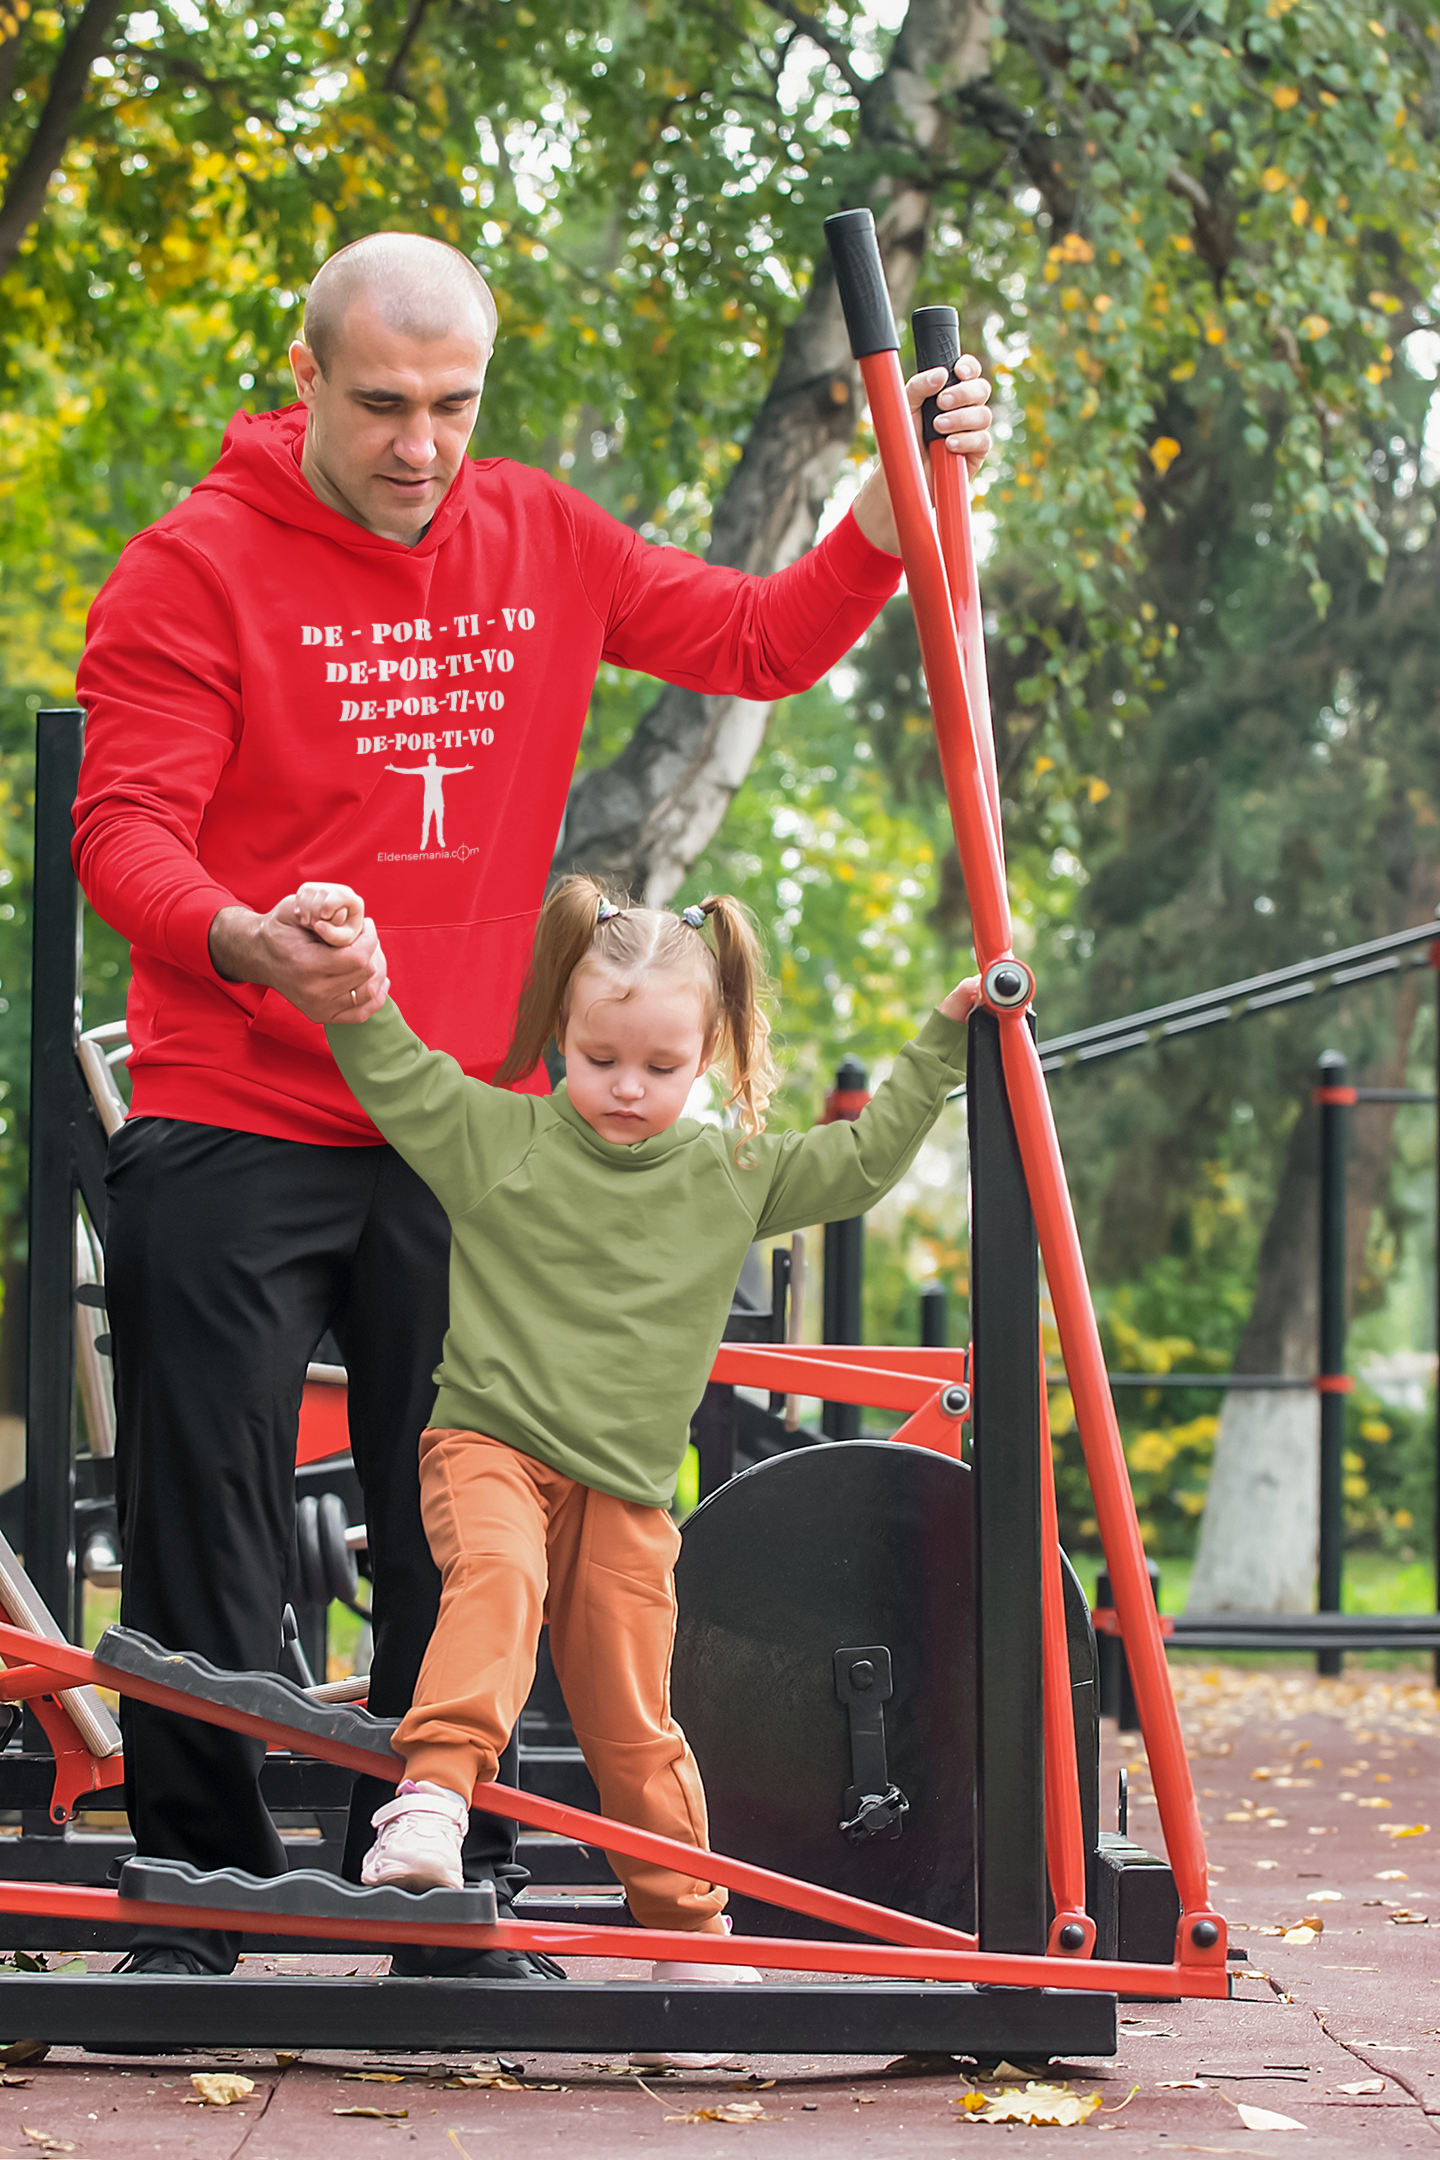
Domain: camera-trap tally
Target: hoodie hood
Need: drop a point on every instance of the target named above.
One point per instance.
(259, 465)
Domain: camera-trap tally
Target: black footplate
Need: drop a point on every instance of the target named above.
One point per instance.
(258, 1694)
(303, 1894)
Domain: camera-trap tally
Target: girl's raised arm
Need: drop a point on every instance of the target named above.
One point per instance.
(839, 1170)
(456, 1132)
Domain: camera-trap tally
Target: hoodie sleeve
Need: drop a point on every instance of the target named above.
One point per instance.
(724, 631)
(835, 1171)
(160, 683)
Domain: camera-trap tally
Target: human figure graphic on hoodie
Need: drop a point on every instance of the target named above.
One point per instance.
(433, 808)
(344, 580)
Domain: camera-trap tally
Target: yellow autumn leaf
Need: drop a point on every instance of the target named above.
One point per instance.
(220, 2088)
(1272, 179)
(1286, 96)
(1315, 326)
(1054, 2106)
(1163, 453)
(1096, 790)
(1044, 765)
(1299, 210)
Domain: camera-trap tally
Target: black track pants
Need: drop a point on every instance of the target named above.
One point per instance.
(228, 1255)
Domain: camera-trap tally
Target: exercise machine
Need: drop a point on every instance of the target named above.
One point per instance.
(887, 1671)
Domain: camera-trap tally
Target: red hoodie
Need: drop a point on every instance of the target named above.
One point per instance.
(276, 694)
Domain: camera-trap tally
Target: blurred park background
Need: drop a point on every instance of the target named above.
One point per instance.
(1197, 246)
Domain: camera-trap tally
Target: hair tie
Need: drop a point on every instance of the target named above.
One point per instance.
(605, 911)
(695, 916)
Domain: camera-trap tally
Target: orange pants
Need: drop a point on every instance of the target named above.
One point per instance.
(518, 1543)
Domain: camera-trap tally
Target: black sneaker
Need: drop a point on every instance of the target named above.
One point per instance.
(165, 1960)
(424, 1961)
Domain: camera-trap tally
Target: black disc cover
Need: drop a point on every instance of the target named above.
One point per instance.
(859, 1543)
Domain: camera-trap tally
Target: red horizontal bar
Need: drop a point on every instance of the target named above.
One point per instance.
(837, 1376)
(1333, 1383)
(565, 1939)
(1345, 1096)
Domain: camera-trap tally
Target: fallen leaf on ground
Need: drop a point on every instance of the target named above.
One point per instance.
(488, 2080)
(25, 2051)
(1053, 2105)
(728, 2111)
(1399, 1830)
(1181, 2085)
(1265, 2118)
(1302, 1934)
(285, 2059)
(46, 2143)
(375, 2114)
(15, 2077)
(375, 2077)
(218, 2088)
(1364, 2085)
(1328, 1897)
(1401, 1918)
(1392, 1874)
(1373, 1800)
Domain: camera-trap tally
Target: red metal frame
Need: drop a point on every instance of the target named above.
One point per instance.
(938, 552)
(907, 1948)
(967, 764)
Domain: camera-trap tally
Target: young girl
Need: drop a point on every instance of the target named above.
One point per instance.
(597, 1237)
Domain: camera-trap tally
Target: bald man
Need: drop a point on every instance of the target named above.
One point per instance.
(347, 599)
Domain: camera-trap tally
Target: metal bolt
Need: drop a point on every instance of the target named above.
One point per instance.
(862, 1673)
(955, 1401)
(1008, 984)
(1205, 1934)
(1072, 1936)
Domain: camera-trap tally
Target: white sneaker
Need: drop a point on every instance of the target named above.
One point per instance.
(421, 1832)
(677, 1974)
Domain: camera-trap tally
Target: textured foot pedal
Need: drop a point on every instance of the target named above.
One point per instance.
(262, 1695)
(303, 1894)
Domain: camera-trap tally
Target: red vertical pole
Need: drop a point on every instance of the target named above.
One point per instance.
(1007, 988)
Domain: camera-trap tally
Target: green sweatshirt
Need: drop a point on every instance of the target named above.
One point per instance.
(590, 1283)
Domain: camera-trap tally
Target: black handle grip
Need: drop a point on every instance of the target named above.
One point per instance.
(860, 281)
(936, 331)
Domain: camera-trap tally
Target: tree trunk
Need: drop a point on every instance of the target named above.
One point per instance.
(643, 820)
(1259, 1535)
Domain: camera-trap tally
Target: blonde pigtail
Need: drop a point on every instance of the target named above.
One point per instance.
(564, 936)
(745, 1025)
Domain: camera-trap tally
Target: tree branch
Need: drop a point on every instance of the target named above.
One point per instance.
(393, 85)
(25, 196)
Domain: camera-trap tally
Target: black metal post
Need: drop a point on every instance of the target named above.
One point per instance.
(843, 1300)
(1005, 1333)
(1334, 1099)
(934, 1316)
(54, 1027)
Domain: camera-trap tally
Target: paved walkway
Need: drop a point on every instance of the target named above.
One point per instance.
(1306, 1789)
